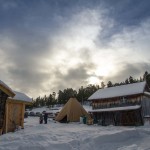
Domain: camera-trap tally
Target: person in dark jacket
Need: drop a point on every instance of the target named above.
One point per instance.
(45, 117)
(41, 119)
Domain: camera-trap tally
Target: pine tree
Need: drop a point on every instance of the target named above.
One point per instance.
(144, 76)
(102, 85)
(131, 80)
(148, 80)
(126, 81)
(109, 84)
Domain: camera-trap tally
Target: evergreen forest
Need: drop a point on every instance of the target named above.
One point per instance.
(83, 93)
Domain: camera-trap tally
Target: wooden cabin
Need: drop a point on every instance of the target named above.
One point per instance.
(121, 105)
(5, 92)
(12, 110)
(15, 109)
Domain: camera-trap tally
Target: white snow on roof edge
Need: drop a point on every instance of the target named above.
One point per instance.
(117, 91)
(147, 94)
(21, 97)
(117, 108)
(6, 86)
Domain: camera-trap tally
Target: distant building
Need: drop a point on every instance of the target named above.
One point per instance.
(121, 105)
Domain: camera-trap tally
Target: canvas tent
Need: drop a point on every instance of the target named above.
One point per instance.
(71, 112)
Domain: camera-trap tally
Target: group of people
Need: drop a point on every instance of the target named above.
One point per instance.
(43, 118)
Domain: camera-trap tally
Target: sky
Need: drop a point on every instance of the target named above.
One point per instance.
(50, 45)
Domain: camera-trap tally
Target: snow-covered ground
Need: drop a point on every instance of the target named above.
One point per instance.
(75, 136)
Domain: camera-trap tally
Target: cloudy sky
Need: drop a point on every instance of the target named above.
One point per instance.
(47, 45)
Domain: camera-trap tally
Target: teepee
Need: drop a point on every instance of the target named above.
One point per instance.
(71, 112)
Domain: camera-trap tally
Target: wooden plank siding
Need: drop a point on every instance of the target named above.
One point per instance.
(145, 106)
(12, 108)
(3, 98)
(122, 117)
(15, 116)
(119, 118)
(117, 102)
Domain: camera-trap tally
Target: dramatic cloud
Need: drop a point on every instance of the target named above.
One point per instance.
(47, 46)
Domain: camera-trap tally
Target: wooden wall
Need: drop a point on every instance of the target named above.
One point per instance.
(14, 116)
(119, 118)
(132, 117)
(146, 106)
(117, 102)
(3, 98)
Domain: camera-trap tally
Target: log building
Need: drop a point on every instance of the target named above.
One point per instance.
(121, 105)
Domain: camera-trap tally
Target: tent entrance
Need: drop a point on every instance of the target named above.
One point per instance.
(64, 120)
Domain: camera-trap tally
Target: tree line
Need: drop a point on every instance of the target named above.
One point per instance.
(82, 94)
(63, 96)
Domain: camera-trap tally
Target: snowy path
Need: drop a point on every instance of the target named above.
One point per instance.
(75, 136)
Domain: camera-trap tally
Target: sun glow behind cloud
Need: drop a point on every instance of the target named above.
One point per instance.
(75, 44)
(60, 50)
(76, 38)
(94, 80)
(104, 70)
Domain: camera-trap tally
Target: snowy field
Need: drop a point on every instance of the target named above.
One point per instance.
(75, 136)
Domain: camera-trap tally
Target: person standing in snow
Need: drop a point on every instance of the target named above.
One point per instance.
(41, 119)
(45, 117)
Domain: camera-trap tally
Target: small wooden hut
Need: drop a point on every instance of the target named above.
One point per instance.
(12, 110)
(5, 92)
(15, 109)
(121, 105)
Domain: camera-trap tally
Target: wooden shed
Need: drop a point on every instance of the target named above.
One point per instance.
(121, 105)
(5, 92)
(15, 109)
(12, 110)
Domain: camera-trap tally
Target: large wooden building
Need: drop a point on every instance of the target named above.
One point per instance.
(12, 108)
(121, 105)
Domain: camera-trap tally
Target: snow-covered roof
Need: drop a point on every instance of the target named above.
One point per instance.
(8, 90)
(117, 91)
(21, 97)
(117, 109)
(147, 94)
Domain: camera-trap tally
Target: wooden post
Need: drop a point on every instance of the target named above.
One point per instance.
(22, 118)
(6, 117)
(0, 131)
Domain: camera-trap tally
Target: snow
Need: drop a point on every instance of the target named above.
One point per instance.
(41, 109)
(116, 108)
(6, 86)
(21, 97)
(147, 94)
(75, 136)
(56, 109)
(117, 91)
(87, 107)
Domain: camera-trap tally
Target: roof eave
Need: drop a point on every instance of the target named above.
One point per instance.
(116, 97)
(20, 101)
(7, 91)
